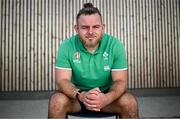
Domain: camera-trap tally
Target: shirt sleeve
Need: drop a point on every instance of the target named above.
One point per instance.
(119, 61)
(62, 60)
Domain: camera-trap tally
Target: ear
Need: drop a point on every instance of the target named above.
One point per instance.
(76, 28)
(103, 27)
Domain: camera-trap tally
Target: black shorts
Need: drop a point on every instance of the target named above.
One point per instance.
(83, 107)
(88, 113)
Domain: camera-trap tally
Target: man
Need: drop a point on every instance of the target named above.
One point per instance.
(91, 71)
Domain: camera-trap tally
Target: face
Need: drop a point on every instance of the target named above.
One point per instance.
(90, 29)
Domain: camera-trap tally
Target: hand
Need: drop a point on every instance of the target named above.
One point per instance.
(94, 91)
(93, 99)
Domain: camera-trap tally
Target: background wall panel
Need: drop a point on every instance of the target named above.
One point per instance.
(31, 31)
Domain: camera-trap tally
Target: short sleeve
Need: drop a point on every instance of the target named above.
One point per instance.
(119, 61)
(62, 60)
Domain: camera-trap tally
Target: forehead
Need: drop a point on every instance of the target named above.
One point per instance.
(93, 19)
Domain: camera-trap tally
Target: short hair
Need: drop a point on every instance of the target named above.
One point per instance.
(88, 9)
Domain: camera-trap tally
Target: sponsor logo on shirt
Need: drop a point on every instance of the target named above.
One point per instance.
(106, 68)
(76, 57)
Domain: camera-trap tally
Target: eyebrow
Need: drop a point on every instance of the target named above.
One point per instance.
(88, 25)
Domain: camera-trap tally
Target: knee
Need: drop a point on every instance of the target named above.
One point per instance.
(128, 100)
(58, 100)
(58, 105)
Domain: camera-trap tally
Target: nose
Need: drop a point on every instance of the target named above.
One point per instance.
(90, 30)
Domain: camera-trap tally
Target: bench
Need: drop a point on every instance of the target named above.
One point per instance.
(92, 114)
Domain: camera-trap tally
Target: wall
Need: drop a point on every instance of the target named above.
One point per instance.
(31, 31)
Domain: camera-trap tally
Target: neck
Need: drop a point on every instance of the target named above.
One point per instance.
(92, 49)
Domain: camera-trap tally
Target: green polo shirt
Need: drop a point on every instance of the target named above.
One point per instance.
(90, 70)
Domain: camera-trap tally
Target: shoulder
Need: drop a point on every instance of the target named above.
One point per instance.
(112, 40)
(68, 45)
(69, 41)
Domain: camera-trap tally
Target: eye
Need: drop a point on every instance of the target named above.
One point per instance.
(97, 26)
(84, 27)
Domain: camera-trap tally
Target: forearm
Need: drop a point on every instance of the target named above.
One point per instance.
(65, 86)
(117, 89)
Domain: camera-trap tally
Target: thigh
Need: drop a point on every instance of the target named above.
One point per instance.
(116, 106)
(63, 101)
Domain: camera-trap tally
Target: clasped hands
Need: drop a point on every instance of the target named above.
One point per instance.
(94, 99)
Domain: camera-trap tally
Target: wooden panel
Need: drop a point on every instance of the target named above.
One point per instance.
(31, 31)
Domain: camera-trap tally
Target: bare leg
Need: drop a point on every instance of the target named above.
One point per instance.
(129, 106)
(126, 105)
(60, 105)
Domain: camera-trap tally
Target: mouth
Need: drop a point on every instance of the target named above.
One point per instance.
(91, 37)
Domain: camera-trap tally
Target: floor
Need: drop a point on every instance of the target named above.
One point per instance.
(153, 103)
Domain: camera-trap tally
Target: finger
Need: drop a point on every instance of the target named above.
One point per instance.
(91, 96)
(96, 109)
(93, 109)
(92, 100)
(95, 91)
(90, 105)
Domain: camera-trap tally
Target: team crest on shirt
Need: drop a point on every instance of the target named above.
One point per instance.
(106, 61)
(76, 57)
(105, 56)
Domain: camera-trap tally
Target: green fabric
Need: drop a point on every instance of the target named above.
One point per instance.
(92, 70)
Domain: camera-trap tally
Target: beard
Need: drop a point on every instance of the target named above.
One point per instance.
(91, 42)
